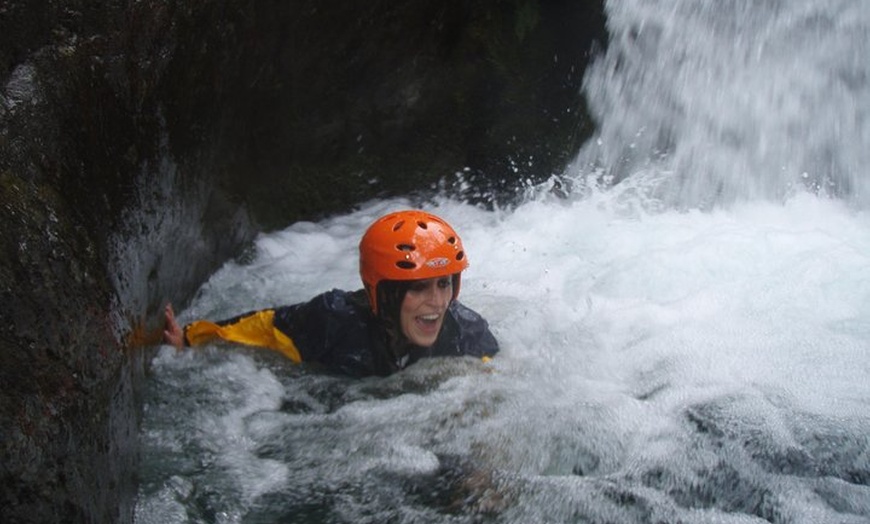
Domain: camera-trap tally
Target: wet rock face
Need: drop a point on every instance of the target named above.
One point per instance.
(59, 366)
(144, 143)
(399, 95)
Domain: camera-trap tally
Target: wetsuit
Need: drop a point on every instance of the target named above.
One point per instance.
(338, 331)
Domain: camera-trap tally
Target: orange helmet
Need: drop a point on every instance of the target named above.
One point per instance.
(409, 245)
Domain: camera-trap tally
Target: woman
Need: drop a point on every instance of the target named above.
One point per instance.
(411, 264)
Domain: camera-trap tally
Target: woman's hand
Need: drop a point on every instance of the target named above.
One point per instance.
(172, 332)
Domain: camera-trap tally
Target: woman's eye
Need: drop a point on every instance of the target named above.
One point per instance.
(417, 286)
(445, 283)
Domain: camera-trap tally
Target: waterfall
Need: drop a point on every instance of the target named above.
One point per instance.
(716, 102)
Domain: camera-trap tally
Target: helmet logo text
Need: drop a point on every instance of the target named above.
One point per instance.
(437, 262)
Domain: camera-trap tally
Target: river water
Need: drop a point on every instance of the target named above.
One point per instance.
(685, 334)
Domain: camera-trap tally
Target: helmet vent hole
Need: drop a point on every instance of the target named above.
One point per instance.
(451, 240)
(423, 225)
(460, 255)
(398, 225)
(405, 247)
(404, 264)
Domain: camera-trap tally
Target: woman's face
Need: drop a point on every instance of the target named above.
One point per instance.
(423, 309)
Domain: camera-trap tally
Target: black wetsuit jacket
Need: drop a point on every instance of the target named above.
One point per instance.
(338, 331)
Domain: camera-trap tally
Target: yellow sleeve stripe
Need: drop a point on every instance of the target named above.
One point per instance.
(256, 329)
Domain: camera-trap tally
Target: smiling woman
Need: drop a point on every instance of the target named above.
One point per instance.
(411, 264)
(423, 308)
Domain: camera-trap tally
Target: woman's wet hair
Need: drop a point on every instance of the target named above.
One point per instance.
(391, 293)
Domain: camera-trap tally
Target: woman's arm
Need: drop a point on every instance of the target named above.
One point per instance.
(256, 328)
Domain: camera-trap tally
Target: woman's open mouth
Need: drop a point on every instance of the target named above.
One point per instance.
(429, 323)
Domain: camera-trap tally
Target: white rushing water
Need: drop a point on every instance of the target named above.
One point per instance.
(689, 345)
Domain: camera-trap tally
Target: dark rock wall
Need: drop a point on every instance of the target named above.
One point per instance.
(144, 143)
(402, 94)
